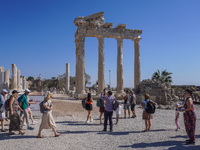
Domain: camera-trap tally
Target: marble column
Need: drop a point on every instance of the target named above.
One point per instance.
(67, 77)
(14, 77)
(101, 80)
(18, 79)
(1, 77)
(80, 64)
(6, 77)
(24, 83)
(137, 71)
(120, 65)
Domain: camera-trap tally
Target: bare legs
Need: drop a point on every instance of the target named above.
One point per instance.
(54, 130)
(2, 124)
(129, 113)
(147, 125)
(101, 113)
(89, 115)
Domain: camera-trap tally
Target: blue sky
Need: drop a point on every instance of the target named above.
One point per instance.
(38, 36)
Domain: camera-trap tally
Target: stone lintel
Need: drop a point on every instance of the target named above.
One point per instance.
(121, 26)
(94, 16)
(108, 25)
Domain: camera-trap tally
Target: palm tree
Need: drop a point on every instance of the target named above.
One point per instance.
(164, 76)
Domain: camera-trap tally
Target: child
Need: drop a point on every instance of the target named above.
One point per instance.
(118, 112)
(177, 115)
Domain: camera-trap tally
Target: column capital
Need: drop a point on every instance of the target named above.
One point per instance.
(100, 37)
(136, 39)
(119, 38)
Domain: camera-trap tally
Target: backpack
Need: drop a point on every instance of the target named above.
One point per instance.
(99, 103)
(150, 107)
(83, 103)
(115, 105)
(1, 103)
(19, 99)
(42, 108)
(7, 103)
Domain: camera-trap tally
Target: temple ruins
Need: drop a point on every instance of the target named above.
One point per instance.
(95, 26)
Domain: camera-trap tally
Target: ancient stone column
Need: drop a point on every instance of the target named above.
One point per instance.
(14, 77)
(67, 77)
(137, 72)
(18, 79)
(6, 77)
(24, 83)
(120, 65)
(101, 81)
(1, 69)
(80, 64)
(21, 83)
(1, 77)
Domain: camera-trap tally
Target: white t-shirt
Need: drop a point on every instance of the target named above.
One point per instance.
(3, 101)
(118, 111)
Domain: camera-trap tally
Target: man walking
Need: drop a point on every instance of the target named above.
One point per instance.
(108, 112)
(24, 103)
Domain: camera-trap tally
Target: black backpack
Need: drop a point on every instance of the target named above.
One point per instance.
(83, 103)
(115, 105)
(42, 108)
(7, 103)
(150, 107)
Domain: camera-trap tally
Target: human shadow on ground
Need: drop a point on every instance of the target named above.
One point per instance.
(74, 132)
(176, 145)
(6, 136)
(183, 136)
(77, 123)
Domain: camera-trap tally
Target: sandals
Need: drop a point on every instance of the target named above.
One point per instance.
(11, 133)
(57, 135)
(145, 131)
(22, 133)
(40, 136)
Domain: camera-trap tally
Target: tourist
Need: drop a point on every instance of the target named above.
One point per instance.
(14, 116)
(147, 116)
(118, 112)
(88, 107)
(127, 104)
(102, 108)
(2, 108)
(108, 101)
(30, 114)
(177, 115)
(23, 103)
(133, 103)
(47, 117)
(189, 116)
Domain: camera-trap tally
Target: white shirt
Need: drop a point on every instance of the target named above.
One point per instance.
(3, 101)
(118, 111)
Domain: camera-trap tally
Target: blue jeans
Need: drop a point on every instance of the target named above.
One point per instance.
(108, 114)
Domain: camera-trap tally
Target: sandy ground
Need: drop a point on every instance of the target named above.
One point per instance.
(76, 134)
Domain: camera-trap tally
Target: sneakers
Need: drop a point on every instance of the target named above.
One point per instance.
(24, 124)
(34, 122)
(91, 120)
(30, 128)
(87, 121)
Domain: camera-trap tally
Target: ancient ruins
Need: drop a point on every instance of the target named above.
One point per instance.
(95, 26)
(17, 82)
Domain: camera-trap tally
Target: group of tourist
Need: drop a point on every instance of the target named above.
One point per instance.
(16, 104)
(21, 104)
(130, 101)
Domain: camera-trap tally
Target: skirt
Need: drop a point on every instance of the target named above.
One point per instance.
(147, 116)
(88, 107)
(101, 109)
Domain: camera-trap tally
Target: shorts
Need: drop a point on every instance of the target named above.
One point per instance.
(126, 106)
(147, 116)
(28, 108)
(2, 115)
(133, 107)
(101, 109)
(88, 106)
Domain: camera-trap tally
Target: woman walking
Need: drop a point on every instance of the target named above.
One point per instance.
(147, 116)
(47, 118)
(189, 116)
(88, 101)
(14, 116)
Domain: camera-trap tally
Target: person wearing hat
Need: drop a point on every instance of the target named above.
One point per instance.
(2, 109)
(14, 116)
(23, 103)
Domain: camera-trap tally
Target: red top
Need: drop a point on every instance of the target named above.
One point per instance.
(90, 102)
(185, 105)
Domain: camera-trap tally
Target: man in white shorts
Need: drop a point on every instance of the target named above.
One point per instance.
(2, 108)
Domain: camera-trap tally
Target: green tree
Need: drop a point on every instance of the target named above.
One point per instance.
(30, 78)
(163, 76)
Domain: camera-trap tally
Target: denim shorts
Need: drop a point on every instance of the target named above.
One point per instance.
(126, 106)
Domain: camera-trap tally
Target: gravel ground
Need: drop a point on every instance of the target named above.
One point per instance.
(126, 135)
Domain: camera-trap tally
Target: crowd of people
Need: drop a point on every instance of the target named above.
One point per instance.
(129, 104)
(19, 111)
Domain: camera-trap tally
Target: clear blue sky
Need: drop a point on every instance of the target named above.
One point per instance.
(38, 36)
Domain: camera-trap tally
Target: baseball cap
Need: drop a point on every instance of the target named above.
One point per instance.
(4, 90)
(27, 90)
(14, 91)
